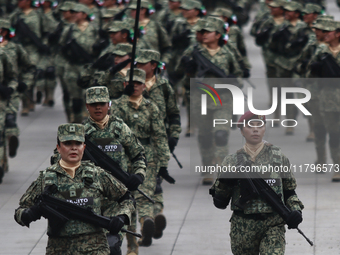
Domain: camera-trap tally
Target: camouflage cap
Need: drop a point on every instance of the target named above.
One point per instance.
(71, 132)
(145, 56)
(330, 25)
(110, 13)
(191, 4)
(277, 3)
(67, 6)
(5, 24)
(118, 25)
(325, 17)
(214, 24)
(312, 8)
(98, 94)
(199, 25)
(293, 6)
(81, 8)
(122, 49)
(143, 4)
(319, 23)
(225, 12)
(138, 75)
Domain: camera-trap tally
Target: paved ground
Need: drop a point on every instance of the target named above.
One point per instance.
(195, 226)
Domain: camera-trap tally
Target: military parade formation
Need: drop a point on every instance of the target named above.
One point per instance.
(125, 68)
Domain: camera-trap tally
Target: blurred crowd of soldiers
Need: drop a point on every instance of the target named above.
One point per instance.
(89, 43)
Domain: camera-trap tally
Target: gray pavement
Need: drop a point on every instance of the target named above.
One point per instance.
(195, 226)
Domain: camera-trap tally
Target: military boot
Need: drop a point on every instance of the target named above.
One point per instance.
(132, 245)
(13, 144)
(25, 105)
(148, 230)
(160, 225)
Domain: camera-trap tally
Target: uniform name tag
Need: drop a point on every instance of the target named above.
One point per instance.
(81, 201)
(110, 147)
(273, 182)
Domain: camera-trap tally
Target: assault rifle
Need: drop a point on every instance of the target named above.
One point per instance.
(59, 211)
(101, 159)
(330, 68)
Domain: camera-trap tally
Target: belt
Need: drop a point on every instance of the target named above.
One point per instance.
(255, 216)
(145, 141)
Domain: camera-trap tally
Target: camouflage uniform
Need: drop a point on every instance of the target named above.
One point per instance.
(85, 39)
(77, 237)
(154, 36)
(145, 122)
(167, 17)
(258, 229)
(213, 150)
(329, 98)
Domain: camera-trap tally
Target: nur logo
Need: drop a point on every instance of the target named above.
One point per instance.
(204, 97)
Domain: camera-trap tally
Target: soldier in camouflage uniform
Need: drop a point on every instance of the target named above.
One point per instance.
(94, 12)
(116, 139)
(25, 69)
(85, 35)
(8, 84)
(33, 20)
(167, 16)
(329, 91)
(159, 91)
(153, 35)
(142, 116)
(62, 179)
(255, 227)
(213, 150)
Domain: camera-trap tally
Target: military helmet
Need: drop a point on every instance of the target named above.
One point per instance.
(138, 75)
(145, 56)
(71, 132)
(99, 94)
(122, 49)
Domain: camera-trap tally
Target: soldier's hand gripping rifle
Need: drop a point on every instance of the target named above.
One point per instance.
(59, 211)
(101, 159)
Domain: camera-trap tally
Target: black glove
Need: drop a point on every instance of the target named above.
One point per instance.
(172, 141)
(134, 181)
(246, 73)
(220, 202)
(129, 89)
(31, 214)
(294, 219)
(116, 224)
(163, 172)
(21, 87)
(316, 68)
(5, 91)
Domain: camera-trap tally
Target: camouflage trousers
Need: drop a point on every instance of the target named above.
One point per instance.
(332, 124)
(254, 236)
(94, 244)
(46, 77)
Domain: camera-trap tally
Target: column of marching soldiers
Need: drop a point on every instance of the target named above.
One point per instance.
(89, 43)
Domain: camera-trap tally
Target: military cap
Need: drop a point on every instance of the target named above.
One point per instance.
(277, 3)
(138, 75)
(191, 4)
(67, 6)
(5, 24)
(293, 6)
(71, 132)
(330, 25)
(110, 13)
(118, 25)
(81, 8)
(122, 49)
(312, 8)
(213, 24)
(325, 17)
(145, 56)
(143, 4)
(225, 12)
(250, 116)
(99, 94)
(199, 25)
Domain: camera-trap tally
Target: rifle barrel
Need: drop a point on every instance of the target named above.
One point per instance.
(307, 239)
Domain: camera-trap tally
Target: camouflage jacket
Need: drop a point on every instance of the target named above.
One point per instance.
(167, 19)
(146, 123)
(163, 95)
(117, 140)
(8, 73)
(103, 186)
(236, 38)
(97, 15)
(269, 155)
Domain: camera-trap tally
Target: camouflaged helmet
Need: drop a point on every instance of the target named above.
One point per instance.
(67, 6)
(98, 94)
(277, 3)
(293, 6)
(5, 24)
(145, 56)
(81, 8)
(312, 8)
(138, 75)
(214, 24)
(71, 132)
(118, 25)
(225, 12)
(143, 4)
(191, 4)
(122, 49)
